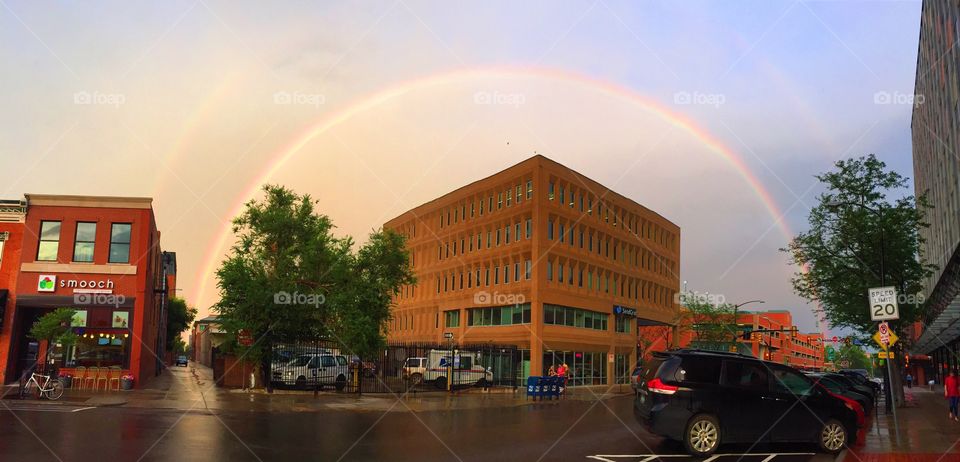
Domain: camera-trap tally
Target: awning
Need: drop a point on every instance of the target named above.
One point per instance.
(941, 331)
(58, 301)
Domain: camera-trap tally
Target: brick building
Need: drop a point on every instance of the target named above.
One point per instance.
(544, 258)
(100, 256)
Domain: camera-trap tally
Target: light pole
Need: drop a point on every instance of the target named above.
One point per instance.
(888, 393)
(736, 323)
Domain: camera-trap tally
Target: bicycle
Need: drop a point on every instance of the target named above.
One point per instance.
(51, 388)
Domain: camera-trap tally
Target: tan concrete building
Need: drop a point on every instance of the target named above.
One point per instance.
(544, 258)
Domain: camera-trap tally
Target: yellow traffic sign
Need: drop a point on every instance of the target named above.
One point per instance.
(885, 355)
(893, 340)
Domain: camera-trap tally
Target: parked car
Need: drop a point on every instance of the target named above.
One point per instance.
(838, 387)
(182, 361)
(852, 382)
(706, 398)
(313, 370)
(438, 364)
(635, 378)
(863, 379)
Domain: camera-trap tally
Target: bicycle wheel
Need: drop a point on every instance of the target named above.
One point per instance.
(55, 391)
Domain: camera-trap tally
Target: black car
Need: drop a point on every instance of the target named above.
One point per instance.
(853, 384)
(182, 361)
(837, 384)
(861, 379)
(706, 398)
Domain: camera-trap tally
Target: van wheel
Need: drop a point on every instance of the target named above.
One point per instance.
(441, 383)
(341, 383)
(301, 382)
(702, 437)
(832, 437)
(416, 379)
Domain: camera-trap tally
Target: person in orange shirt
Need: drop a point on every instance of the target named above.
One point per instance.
(951, 390)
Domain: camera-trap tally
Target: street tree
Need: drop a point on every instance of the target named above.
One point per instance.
(179, 318)
(54, 328)
(711, 323)
(863, 232)
(288, 279)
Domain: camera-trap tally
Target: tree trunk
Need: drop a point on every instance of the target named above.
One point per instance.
(897, 380)
(265, 371)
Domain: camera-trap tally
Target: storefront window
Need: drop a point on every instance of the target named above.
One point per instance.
(99, 350)
(586, 367)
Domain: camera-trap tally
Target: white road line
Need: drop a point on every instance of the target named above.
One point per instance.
(83, 409)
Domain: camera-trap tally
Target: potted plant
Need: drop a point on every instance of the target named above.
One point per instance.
(126, 382)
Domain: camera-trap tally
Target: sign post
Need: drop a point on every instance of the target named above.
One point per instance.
(883, 308)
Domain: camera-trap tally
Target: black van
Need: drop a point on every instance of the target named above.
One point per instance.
(707, 398)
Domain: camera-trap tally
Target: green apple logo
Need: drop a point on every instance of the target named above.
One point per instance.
(46, 283)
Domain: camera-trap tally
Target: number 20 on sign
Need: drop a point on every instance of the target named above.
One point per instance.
(883, 304)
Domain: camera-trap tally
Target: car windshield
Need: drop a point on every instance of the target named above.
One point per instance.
(300, 361)
(413, 362)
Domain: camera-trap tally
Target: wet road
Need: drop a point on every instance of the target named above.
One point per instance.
(551, 431)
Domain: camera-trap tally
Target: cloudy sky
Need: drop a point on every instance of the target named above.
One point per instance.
(715, 114)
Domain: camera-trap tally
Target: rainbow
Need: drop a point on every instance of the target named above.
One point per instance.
(280, 158)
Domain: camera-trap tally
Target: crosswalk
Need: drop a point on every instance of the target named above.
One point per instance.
(61, 408)
(751, 457)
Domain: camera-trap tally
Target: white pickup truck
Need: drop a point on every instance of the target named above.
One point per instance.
(436, 367)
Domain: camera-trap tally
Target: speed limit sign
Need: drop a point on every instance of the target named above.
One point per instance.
(883, 304)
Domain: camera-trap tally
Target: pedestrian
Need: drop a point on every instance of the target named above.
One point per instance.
(909, 380)
(952, 393)
(552, 372)
(561, 370)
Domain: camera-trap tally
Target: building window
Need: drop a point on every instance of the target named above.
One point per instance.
(519, 193)
(529, 267)
(120, 243)
(529, 189)
(499, 201)
(549, 270)
(561, 194)
(506, 234)
(623, 324)
(499, 315)
(98, 350)
(550, 191)
(550, 229)
(49, 241)
(83, 242)
(508, 197)
(516, 272)
(573, 317)
(451, 318)
(529, 228)
(516, 234)
(481, 207)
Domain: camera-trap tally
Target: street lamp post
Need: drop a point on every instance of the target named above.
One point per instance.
(888, 392)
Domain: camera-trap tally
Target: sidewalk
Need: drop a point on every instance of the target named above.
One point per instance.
(192, 389)
(926, 434)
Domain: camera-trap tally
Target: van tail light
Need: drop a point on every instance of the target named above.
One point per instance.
(657, 386)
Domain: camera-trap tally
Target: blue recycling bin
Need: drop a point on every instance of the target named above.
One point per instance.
(533, 386)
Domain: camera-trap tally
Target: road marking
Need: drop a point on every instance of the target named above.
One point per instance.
(769, 456)
(41, 408)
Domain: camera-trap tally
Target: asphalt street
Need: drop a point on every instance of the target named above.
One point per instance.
(550, 431)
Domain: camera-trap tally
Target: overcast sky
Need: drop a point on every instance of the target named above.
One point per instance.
(376, 107)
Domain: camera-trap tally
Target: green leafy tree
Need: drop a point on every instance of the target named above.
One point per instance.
(54, 328)
(854, 355)
(179, 318)
(289, 279)
(712, 323)
(859, 238)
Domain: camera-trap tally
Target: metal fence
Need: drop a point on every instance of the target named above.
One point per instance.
(399, 368)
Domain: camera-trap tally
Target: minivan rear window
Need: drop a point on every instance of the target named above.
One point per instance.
(699, 370)
(660, 367)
